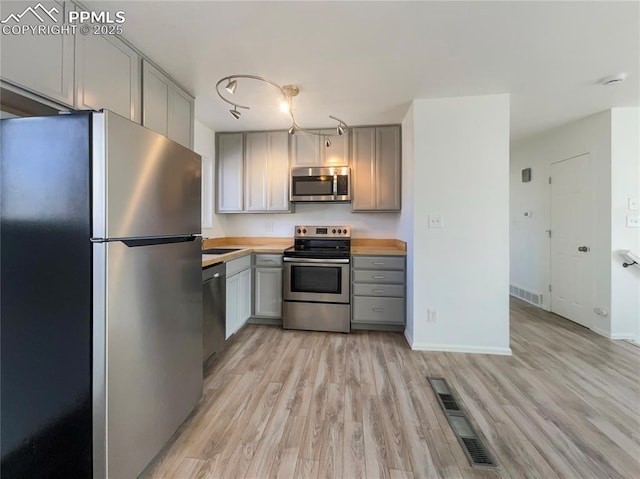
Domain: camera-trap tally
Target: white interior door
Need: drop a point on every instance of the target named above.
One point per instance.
(571, 263)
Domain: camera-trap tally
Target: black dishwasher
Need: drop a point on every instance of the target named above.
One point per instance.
(214, 293)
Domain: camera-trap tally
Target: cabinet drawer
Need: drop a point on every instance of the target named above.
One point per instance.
(378, 262)
(268, 260)
(378, 310)
(392, 290)
(236, 265)
(379, 277)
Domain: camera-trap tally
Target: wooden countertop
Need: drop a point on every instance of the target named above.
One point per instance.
(244, 249)
(379, 250)
(362, 246)
(377, 247)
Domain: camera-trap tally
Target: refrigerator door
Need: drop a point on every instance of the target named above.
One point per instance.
(143, 183)
(45, 286)
(147, 361)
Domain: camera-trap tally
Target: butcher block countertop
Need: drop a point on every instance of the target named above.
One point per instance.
(378, 247)
(246, 245)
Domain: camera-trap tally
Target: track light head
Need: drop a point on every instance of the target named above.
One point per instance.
(235, 113)
(231, 87)
(327, 143)
(340, 130)
(292, 130)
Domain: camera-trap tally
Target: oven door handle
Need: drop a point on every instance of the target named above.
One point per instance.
(317, 260)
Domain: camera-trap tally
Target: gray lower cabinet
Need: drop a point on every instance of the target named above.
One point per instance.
(267, 290)
(238, 295)
(378, 292)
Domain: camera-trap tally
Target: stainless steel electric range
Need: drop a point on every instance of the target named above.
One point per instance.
(316, 289)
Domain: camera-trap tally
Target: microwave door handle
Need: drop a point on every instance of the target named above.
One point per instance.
(335, 186)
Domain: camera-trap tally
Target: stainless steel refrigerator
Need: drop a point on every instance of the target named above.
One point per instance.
(101, 301)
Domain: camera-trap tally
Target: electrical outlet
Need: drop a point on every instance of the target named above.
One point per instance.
(268, 227)
(432, 315)
(633, 204)
(435, 221)
(633, 221)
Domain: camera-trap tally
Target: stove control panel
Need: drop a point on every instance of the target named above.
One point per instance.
(322, 231)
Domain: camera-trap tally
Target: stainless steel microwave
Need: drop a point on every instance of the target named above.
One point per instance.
(320, 184)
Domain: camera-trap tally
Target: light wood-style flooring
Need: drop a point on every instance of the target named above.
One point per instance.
(305, 405)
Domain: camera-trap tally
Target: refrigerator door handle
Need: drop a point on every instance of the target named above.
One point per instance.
(134, 242)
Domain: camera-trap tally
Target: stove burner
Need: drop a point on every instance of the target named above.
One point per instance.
(320, 242)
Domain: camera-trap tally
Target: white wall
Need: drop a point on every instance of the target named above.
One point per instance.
(363, 225)
(405, 224)
(625, 181)
(204, 145)
(611, 139)
(460, 164)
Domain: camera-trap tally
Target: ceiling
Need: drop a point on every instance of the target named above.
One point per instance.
(364, 62)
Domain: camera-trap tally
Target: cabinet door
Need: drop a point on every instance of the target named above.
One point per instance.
(155, 99)
(278, 171)
(107, 76)
(305, 150)
(232, 305)
(181, 116)
(42, 64)
(388, 164)
(230, 172)
(255, 180)
(244, 297)
(363, 179)
(268, 292)
(336, 154)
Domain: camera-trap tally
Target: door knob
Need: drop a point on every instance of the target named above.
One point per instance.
(584, 249)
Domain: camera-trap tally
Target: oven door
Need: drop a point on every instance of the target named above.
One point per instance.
(316, 280)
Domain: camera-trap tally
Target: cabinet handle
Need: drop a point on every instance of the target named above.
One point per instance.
(379, 263)
(378, 277)
(378, 290)
(377, 310)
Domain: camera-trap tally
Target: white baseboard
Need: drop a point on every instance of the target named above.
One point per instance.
(630, 337)
(459, 348)
(615, 336)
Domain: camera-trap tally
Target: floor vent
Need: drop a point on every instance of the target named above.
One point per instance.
(474, 449)
(528, 296)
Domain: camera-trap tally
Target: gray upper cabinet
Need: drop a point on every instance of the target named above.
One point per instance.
(262, 179)
(376, 163)
(310, 150)
(42, 64)
(230, 153)
(107, 76)
(166, 108)
(305, 149)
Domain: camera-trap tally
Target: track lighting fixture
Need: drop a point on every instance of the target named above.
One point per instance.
(288, 93)
(231, 86)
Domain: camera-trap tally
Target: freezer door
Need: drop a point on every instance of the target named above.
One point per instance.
(147, 350)
(143, 183)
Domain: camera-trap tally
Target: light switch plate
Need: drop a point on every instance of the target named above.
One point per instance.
(435, 221)
(633, 221)
(633, 204)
